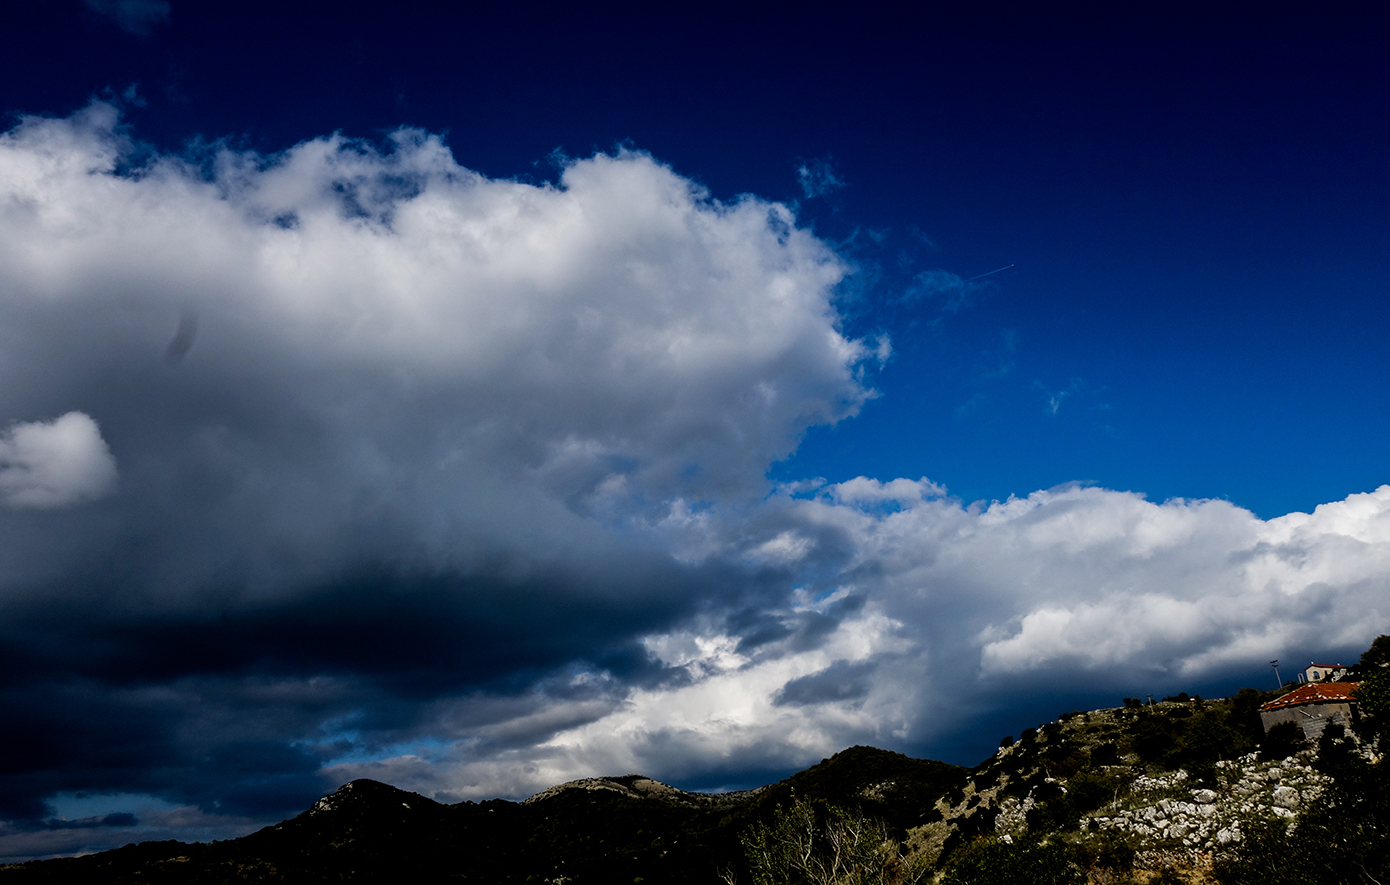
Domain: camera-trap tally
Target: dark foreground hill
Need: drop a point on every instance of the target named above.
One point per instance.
(600, 830)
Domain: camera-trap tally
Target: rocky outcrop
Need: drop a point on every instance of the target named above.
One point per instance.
(1090, 779)
(636, 786)
(1167, 812)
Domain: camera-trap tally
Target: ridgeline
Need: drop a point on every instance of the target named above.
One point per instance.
(1183, 790)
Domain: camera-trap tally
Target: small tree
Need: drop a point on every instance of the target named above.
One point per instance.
(1377, 656)
(1283, 741)
(1373, 697)
(806, 845)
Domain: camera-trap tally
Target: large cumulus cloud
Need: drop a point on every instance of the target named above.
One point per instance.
(382, 426)
(348, 461)
(389, 357)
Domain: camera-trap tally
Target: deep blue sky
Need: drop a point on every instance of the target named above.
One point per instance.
(325, 458)
(1192, 200)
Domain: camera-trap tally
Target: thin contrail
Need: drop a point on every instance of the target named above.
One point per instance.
(983, 275)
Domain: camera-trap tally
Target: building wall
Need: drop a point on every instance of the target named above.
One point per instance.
(1312, 718)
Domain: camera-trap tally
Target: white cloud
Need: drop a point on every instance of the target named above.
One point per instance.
(1085, 587)
(727, 716)
(788, 547)
(392, 336)
(55, 464)
(1085, 580)
(863, 490)
(1194, 586)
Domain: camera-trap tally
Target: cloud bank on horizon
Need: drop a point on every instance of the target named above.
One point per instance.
(461, 483)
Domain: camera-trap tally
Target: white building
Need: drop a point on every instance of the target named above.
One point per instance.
(1323, 673)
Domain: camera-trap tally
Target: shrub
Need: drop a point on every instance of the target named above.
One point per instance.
(1336, 751)
(1106, 754)
(1268, 855)
(1154, 737)
(825, 845)
(1282, 741)
(1090, 790)
(991, 861)
(1245, 714)
(1373, 700)
(1107, 851)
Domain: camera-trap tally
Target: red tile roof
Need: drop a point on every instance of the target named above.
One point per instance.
(1315, 693)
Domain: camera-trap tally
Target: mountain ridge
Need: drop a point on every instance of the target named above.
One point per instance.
(1144, 792)
(577, 831)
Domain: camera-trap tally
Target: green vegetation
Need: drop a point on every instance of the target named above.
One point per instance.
(992, 861)
(1373, 696)
(821, 844)
(1340, 838)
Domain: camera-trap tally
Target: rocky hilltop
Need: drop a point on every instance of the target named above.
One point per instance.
(637, 786)
(1168, 787)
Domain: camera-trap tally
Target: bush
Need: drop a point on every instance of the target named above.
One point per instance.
(1373, 701)
(825, 845)
(1268, 855)
(992, 861)
(1195, 739)
(1106, 754)
(1245, 713)
(1090, 790)
(1336, 751)
(1154, 737)
(1282, 741)
(1107, 851)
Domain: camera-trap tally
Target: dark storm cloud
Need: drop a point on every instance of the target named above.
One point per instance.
(88, 823)
(412, 633)
(191, 741)
(841, 681)
(184, 335)
(224, 705)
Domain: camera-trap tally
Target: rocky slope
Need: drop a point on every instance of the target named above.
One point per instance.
(1169, 786)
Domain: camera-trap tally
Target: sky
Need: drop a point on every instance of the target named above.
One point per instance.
(480, 400)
